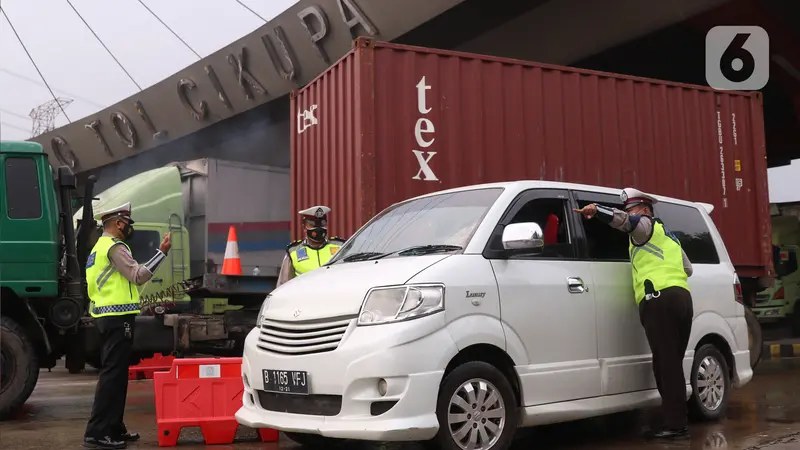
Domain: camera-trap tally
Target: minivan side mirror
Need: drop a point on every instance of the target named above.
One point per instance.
(526, 236)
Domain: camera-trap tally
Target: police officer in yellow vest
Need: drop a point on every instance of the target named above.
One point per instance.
(112, 276)
(660, 283)
(315, 250)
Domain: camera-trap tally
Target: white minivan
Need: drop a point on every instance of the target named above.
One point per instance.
(462, 315)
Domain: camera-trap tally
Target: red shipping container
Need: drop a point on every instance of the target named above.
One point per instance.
(389, 122)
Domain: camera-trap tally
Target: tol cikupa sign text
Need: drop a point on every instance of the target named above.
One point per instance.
(285, 54)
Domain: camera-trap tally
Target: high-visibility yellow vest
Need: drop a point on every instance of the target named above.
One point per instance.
(306, 259)
(660, 260)
(111, 294)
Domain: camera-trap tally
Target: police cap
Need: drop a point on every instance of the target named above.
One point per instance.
(631, 197)
(123, 211)
(315, 212)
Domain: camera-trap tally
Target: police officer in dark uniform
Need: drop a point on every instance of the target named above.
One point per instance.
(315, 250)
(660, 282)
(112, 277)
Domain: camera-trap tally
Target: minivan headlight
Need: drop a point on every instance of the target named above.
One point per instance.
(398, 303)
(262, 311)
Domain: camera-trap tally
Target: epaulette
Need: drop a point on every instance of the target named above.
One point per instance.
(292, 245)
(337, 238)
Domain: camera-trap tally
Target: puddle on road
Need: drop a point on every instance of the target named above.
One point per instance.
(763, 411)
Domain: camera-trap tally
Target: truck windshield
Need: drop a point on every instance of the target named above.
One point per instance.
(439, 223)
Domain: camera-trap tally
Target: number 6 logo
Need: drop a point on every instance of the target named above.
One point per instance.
(737, 58)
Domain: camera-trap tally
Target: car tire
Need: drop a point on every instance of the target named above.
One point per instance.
(711, 384)
(755, 337)
(315, 441)
(20, 367)
(455, 393)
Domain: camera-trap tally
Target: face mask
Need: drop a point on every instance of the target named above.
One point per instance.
(317, 234)
(127, 231)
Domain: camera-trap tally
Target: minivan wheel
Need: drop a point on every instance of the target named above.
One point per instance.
(711, 384)
(476, 408)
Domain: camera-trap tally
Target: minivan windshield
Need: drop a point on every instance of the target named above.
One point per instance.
(439, 223)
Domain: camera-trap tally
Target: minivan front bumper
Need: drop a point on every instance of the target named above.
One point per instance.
(344, 399)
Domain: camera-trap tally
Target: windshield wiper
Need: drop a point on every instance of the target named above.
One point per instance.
(416, 250)
(422, 250)
(361, 256)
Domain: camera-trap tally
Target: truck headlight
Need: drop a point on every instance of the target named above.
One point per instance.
(262, 311)
(398, 303)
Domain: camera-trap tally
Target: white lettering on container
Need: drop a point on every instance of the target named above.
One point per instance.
(423, 127)
(722, 160)
(306, 119)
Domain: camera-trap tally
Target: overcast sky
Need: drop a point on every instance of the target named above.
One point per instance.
(78, 67)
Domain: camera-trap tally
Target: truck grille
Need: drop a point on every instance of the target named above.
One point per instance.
(302, 338)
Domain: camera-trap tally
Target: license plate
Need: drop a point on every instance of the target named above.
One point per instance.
(285, 381)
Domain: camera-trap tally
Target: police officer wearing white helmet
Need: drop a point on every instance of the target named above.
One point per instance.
(112, 277)
(314, 250)
(660, 282)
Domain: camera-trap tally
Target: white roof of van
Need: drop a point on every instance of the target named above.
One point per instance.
(523, 185)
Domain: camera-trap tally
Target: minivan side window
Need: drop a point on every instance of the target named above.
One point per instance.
(688, 225)
(22, 180)
(603, 242)
(551, 215)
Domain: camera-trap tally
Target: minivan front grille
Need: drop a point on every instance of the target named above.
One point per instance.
(302, 338)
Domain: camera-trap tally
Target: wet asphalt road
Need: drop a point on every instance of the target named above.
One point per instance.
(765, 415)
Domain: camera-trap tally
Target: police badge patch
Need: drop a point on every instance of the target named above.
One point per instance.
(334, 250)
(302, 254)
(90, 260)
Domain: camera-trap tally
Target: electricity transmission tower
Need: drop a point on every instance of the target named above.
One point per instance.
(44, 115)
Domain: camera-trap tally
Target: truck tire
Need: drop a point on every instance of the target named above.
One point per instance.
(461, 413)
(711, 384)
(93, 360)
(75, 359)
(19, 367)
(754, 336)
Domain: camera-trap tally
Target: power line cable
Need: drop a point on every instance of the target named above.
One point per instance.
(11, 113)
(39, 83)
(170, 29)
(103, 44)
(248, 8)
(6, 124)
(34, 63)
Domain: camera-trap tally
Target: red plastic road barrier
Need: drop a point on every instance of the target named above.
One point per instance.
(201, 392)
(147, 367)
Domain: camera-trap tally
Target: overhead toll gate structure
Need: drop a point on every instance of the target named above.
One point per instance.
(233, 104)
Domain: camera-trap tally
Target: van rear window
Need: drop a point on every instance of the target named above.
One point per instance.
(688, 225)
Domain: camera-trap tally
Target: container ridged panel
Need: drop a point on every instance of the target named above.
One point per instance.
(501, 120)
(324, 163)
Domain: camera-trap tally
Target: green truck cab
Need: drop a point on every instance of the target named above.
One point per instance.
(42, 277)
(777, 306)
(156, 199)
(47, 231)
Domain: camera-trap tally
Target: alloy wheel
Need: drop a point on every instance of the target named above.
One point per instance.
(477, 415)
(710, 383)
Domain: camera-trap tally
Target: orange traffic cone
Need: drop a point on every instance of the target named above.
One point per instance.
(232, 265)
